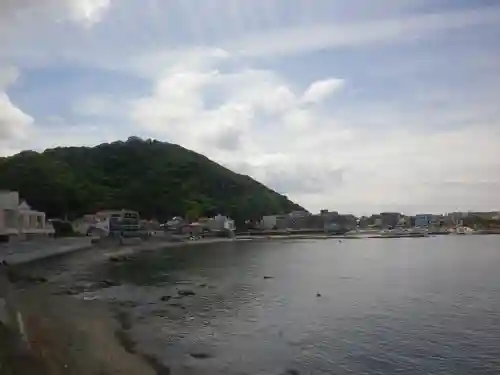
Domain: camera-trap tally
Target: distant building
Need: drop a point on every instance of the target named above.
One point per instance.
(389, 219)
(19, 221)
(349, 221)
(221, 223)
(456, 218)
(268, 222)
(423, 220)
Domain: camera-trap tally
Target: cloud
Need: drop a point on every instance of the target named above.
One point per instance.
(206, 108)
(319, 90)
(14, 123)
(88, 11)
(85, 12)
(320, 36)
(8, 75)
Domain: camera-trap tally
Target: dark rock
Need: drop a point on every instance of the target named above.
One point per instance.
(166, 298)
(318, 294)
(108, 283)
(186, 293)
(200, 355)
(203, 285)
(67, 292)
(117, 259)
(160, 313)
(268, 277)
(291, 372)
(38, 280)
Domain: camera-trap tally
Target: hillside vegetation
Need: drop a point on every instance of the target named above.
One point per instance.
(158, 179)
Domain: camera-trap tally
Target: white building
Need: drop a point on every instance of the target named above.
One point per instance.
(221, 222)
(269, 222)
(19, 220)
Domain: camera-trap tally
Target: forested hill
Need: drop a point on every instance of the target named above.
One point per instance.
(160, 180)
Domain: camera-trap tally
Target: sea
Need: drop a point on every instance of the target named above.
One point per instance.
(409, 306)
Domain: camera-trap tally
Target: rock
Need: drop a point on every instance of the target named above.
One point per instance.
(166, 298)
(268, 277)
(38, 280)
(108, 283)
(67, 292)
(291, 372)
(117, 259)
(203, 285)
(186, 293)
(318, 294)
(200, 355)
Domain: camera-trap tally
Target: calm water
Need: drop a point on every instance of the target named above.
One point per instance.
(388, 306)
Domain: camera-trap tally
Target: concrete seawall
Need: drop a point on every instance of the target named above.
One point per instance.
(24, 252)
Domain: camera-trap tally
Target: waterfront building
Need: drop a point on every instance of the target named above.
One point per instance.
(389, 219)
(423, 220)
(221, 223)
(268, 222)
(19, 221)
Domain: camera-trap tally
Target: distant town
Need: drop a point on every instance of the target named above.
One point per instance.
(18, 220)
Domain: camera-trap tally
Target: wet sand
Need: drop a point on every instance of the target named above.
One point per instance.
(70, 336)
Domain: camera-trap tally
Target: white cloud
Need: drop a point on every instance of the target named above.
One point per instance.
(8, 75)
(14, 123)
(320, 36)
(86, 12)
(320, 90)
(246, 109)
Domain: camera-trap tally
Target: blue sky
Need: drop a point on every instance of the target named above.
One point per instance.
(358, 106)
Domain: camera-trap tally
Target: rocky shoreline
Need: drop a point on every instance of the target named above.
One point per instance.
(68, 335)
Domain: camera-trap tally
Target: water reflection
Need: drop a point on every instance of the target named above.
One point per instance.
(409, 306)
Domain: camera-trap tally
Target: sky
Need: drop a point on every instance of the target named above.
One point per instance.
(356, 106)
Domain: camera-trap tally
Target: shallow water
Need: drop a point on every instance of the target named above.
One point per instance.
(371, 306)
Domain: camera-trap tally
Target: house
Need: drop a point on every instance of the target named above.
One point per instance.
(389, 219)
(19, 221)
(423, 220)
(268, 222)
(221, 223)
